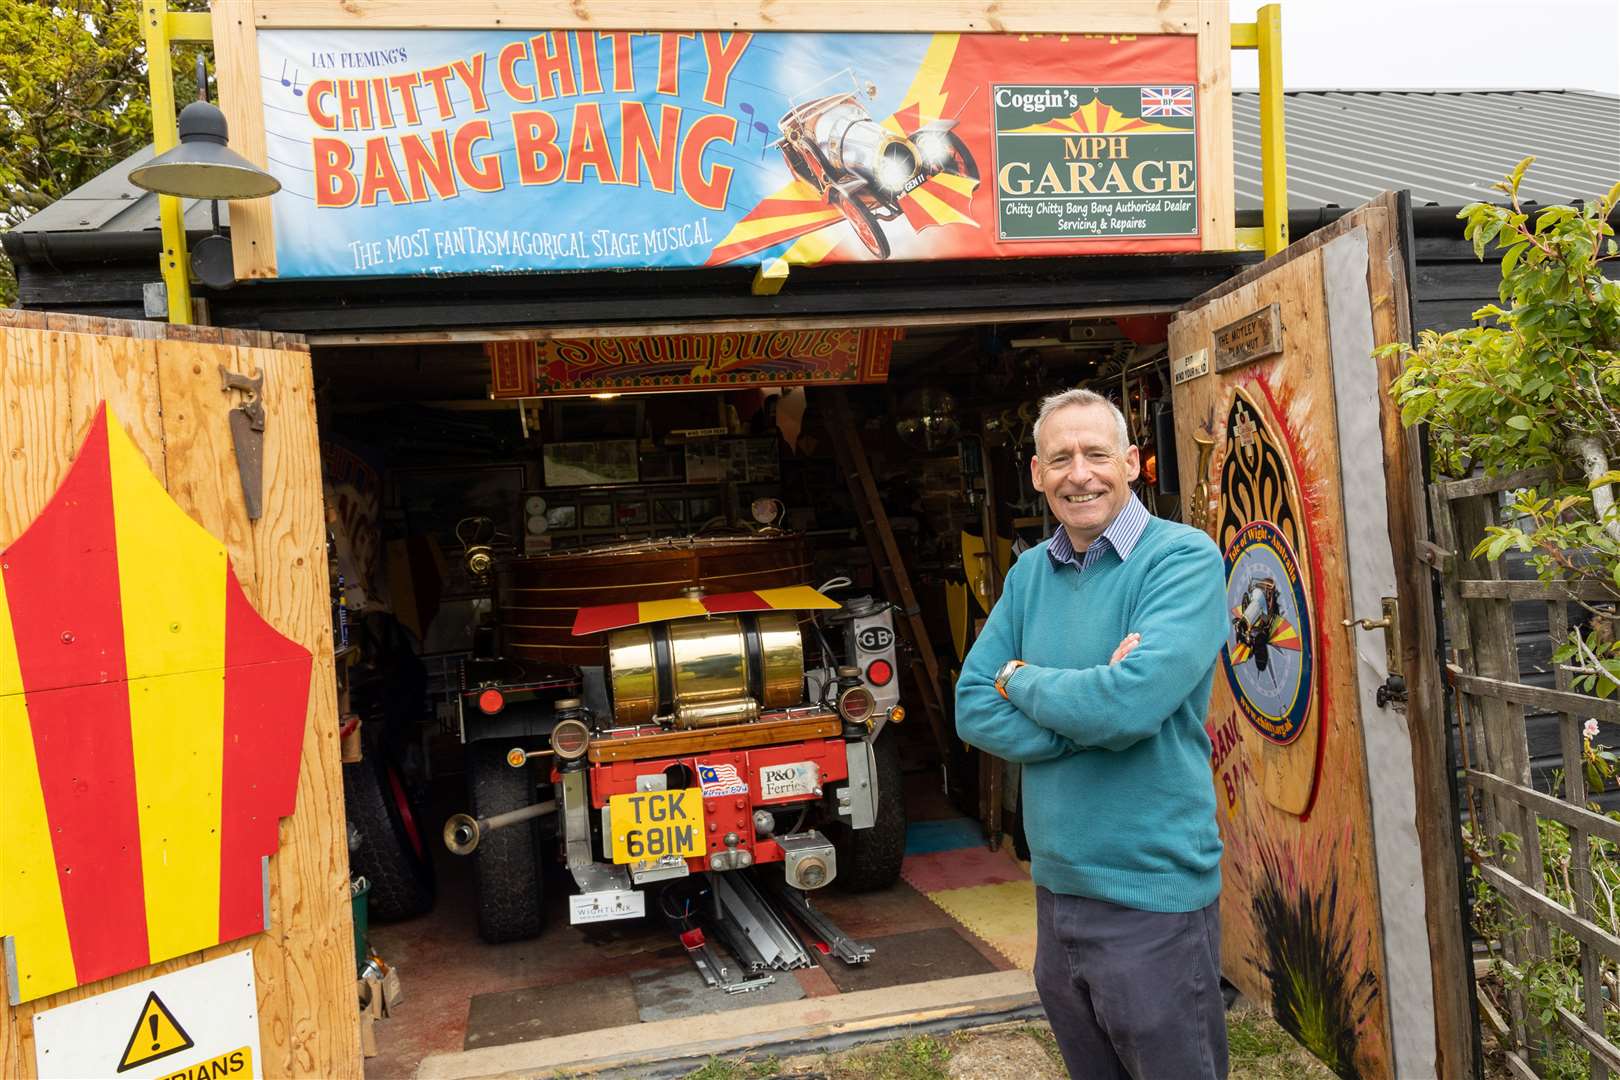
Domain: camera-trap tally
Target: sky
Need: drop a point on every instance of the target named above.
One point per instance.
(1388, 44)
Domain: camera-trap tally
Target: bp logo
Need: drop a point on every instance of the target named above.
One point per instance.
(1268, 649)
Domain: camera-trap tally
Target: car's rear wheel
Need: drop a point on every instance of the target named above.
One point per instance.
(863, 221)
(392, 853)
(507, 863)
(869, 859)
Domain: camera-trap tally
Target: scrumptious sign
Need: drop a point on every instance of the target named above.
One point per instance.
(690, 361)
(415, 152)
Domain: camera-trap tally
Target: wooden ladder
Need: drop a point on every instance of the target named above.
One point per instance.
(874, 520)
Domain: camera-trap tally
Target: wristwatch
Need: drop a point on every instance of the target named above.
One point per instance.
(1006, 673)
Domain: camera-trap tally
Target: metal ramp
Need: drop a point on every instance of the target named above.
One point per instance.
(750, 923)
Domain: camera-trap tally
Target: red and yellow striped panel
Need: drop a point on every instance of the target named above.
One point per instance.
(596, 620)
(150, 725)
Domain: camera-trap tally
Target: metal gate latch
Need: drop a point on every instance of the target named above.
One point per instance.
(247, 434)
(1390, 624)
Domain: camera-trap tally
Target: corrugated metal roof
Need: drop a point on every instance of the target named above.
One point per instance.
(1344, 147)
(109, 202)
(1447, 146)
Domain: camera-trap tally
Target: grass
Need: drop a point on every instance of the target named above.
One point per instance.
(1260, 1050)
(724, 1069)
(921, 1057)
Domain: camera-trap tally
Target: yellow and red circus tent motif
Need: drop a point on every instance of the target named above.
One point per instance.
(150, 726)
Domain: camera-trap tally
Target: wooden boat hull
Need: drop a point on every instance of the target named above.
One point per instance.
(540, 595)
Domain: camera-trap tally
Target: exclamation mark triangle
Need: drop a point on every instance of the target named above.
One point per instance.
(157, 1034)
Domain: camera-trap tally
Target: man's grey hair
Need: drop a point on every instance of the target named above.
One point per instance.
(1078, 396)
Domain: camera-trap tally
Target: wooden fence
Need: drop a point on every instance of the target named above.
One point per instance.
(1491, 701)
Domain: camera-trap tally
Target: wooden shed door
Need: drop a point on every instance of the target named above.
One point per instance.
(170, 789)
(1329, 768)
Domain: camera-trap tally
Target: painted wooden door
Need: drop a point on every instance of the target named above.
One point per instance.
(170, 786)
(1339, 883)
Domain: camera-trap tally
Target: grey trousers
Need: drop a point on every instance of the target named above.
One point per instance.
(1131, 995)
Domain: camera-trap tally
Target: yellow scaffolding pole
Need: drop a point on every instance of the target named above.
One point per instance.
(1265, 36)
(162, 28)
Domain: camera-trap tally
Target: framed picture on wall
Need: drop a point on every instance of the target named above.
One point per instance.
(596, 515)
(706, 463)
(762, 461)
(580, 464)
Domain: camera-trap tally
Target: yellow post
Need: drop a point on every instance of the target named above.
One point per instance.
(165, 136)
(1273, 151)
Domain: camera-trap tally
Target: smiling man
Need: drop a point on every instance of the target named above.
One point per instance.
(1094, 672)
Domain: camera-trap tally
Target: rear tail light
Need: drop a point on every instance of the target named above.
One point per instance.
(879, 672)
(570, 739)
(856, 704)
(491, 702)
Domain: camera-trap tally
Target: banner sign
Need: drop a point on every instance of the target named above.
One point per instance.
(691, 361)
(457, 152)
(1062, 170)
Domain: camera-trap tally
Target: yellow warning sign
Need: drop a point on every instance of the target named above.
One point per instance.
(157, 1034)
(234, 1063)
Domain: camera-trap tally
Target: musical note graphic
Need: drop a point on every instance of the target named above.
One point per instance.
(296, 89)
(765, 140)
(748, 127)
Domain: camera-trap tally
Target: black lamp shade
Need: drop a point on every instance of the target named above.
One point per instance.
(202, 166)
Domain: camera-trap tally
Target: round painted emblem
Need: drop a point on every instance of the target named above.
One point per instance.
(1268, 642)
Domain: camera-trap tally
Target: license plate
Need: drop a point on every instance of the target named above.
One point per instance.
(649, 825)
(794, 778)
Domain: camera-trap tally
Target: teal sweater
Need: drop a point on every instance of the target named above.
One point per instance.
(1118, 799)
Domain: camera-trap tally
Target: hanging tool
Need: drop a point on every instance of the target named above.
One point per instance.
(247, 435)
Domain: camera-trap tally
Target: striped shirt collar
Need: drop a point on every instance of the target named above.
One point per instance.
(1121, 535)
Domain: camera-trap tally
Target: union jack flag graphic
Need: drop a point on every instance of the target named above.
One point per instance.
(717, 775)
(1167, 101)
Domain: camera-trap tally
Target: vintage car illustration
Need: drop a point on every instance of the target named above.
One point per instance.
(860, 167)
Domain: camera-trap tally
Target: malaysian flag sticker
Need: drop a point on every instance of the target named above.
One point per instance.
(1167, 101)
(721, 779)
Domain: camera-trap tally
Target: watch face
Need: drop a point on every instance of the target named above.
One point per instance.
(534, 504)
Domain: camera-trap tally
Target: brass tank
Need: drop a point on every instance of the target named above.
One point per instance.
(706, 672)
